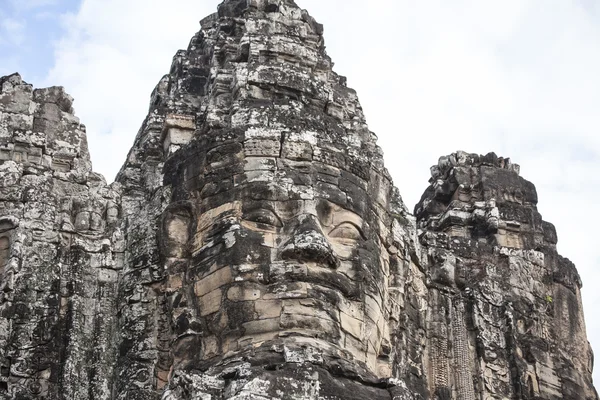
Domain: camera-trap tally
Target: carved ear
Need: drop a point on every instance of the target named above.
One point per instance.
(176, 230)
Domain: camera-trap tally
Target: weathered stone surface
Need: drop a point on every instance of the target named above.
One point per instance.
(59, 251)
(505, 308)
(253, 246)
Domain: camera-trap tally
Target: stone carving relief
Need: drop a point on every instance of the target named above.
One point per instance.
(254, 246)
(279, 259)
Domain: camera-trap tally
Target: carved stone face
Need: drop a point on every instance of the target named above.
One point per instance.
(275, 262)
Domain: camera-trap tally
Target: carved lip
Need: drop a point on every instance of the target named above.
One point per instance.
(315, 274)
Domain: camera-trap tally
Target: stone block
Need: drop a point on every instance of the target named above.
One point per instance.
(351, 325)
(356, 347)
(174, 282)
(210, 347)
(82, 221)
(213, 281)
(297, 151)
(262, 148)
(261, 326)
(320, 327)
(244, 292)
(260, 164)
(60, 165)
(291, 290)
(309, 308)
(266, 309)
(210, 303)
(176, 136)
(180, 121)
(177, 131)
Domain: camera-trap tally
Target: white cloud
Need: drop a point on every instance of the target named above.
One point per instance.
(12, 31)
(8, 65)
(518, 77)
(113, 54)
(45, 16)
(26, 5)
(8, 62)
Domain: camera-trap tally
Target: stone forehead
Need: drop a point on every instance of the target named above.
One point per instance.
(328, 212)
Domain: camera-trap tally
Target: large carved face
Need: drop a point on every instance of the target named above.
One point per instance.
(290, 252)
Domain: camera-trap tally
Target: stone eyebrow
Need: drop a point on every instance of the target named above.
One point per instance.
(357, 227)
(341, 215)
(259, 204)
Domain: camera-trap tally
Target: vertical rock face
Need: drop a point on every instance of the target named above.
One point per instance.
(58, 239)
(505, 307)
(253, 246)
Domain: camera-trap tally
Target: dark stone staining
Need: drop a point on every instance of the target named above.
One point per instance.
(59, 273)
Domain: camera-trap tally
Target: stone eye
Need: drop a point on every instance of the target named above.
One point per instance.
(346, 230)
(263, 216)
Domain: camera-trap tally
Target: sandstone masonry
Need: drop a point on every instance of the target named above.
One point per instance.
(253, 246)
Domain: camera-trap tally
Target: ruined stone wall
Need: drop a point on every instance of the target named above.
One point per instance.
(58, 251)
(253, 246)
(506, 318)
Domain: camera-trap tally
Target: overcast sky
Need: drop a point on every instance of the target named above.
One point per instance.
(518, 77)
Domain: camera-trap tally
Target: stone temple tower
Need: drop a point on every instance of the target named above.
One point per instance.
(253, 246)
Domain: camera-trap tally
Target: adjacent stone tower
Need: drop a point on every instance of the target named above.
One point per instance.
(504, 306)
(60, 243)
(253, 246)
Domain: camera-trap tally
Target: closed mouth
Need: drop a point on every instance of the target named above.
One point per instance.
(315, 274)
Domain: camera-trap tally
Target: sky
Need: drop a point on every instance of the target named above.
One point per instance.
(517, 77)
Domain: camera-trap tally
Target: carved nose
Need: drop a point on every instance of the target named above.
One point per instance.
(308, 244)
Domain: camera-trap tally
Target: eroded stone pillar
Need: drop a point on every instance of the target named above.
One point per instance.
(506, 291)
